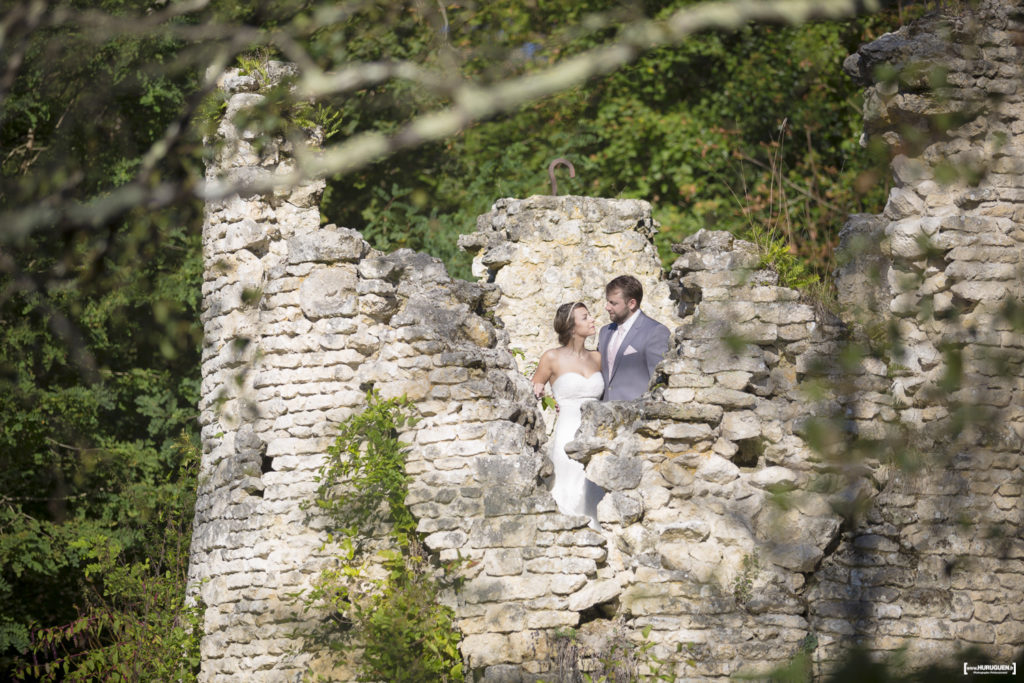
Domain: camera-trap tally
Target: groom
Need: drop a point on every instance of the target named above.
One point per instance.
(632, 345)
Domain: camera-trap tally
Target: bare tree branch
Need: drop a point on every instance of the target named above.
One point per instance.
(22, 20)
(134, 25)
(317, 83)
(471, 103)
(59, 323)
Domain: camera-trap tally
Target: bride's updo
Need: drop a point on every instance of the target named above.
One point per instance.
(564, 322)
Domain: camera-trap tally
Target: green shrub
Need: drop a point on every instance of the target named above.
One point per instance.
(395, 624)
(137, 625)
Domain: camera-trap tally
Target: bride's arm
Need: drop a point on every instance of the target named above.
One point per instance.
(543, 373)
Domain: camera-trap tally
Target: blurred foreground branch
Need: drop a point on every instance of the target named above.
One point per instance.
(470, 103)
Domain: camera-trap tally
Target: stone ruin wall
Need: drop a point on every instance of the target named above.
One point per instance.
(300, 319)
(543, 252)
(940, 554)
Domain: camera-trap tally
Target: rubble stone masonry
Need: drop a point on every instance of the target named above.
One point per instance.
(793, 481)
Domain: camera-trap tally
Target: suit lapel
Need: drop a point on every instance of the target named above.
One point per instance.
(602, 346)
(605, 338)
(632, 335)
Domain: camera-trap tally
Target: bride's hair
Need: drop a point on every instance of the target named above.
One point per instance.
(564, 322)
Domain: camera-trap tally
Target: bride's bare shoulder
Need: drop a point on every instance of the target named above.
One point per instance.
(549, 357)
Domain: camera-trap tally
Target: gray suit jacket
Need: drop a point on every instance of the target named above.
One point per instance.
(644, 346)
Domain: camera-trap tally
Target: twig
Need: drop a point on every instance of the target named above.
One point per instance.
(72, 448)
(791, 184)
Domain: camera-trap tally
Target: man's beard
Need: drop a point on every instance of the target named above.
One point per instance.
(619, 319)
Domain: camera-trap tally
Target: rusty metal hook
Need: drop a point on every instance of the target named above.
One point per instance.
(551, 173)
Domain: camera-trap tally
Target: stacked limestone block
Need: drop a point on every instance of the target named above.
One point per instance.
(545, 251)
(716, 468)
(704, 555)
(477, 489)
(300, 321)
(250, 541)
(541, 571)
(936, 566)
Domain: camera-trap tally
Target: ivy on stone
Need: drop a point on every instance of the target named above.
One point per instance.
(395, 625)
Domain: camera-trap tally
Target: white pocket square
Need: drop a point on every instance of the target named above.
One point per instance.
(629, 350)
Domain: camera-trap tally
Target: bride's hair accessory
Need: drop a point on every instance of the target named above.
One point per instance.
(564, 322)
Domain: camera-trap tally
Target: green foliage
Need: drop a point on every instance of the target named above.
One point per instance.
(255, 64)
(743, 585)
(395, 624)
(93, 456)
(368, 460)
(776, 255)
(770, 228)
(397, 627)
(99, 329)
(328, 119)
(658, 668)
(136, 624)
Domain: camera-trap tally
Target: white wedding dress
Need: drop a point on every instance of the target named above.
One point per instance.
(574, 493)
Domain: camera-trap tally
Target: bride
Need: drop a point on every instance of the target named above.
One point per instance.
(575, 376)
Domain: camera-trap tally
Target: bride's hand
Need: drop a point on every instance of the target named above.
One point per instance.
(538, 391)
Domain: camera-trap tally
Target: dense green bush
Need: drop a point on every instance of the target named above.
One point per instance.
(135, 624)
(99, 338)
(396, 628)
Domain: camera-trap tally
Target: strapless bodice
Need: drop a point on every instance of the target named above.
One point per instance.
(572, 386)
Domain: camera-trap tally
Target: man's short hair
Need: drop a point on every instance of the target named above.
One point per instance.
(628, 286)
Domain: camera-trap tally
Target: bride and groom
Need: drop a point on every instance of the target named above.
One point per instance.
(628, 349)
